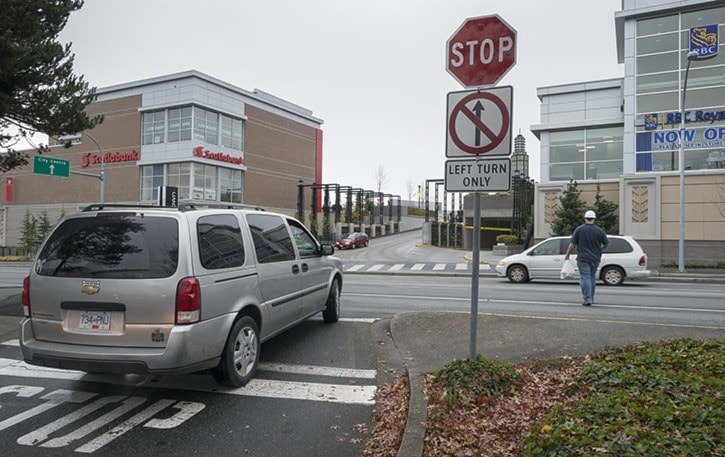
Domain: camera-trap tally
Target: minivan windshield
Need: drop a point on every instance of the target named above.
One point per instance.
(112, 246)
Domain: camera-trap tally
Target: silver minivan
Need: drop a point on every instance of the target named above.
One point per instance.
(151, 290)
(623, 258)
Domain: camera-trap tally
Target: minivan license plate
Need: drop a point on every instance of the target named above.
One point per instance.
(95, 320)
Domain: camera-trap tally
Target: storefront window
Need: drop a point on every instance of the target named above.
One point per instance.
(179, 175)
(230, 185)
(203, 182)
(152, 176)
(661, 65)
(582, 154)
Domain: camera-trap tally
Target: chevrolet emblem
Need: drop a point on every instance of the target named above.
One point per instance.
(91, 287)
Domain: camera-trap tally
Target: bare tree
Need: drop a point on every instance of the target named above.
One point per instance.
(381, 177)
(410, 187)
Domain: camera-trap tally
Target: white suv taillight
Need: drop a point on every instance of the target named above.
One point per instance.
(25, 297)
(643, 261)
(188, 301)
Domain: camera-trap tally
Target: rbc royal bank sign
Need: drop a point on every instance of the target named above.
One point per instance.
(704, 40)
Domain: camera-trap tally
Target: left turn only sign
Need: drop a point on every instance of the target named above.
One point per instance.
(479, 122)
(478, 175)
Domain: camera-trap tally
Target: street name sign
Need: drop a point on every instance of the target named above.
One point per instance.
(481, 51)
(51, 166)
(478, 175)
(479, 122)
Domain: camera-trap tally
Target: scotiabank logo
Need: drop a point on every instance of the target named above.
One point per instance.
(199, 151)
(89, 158)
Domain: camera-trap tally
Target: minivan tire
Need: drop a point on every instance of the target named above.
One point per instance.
(518, 274)
(331, 313)
(612, 276)
(241, 354)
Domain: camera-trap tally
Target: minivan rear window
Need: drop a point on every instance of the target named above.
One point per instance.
(127, 246)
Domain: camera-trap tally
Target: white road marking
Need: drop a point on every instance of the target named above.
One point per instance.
(376, 267)
(439, 266)
(317, 371)
(15, 342)
(461, 266)
(417, 267)
(397, 267)
(333, 393)
(355, 267)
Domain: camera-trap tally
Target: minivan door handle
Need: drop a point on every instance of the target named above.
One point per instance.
(305, 267)
(295, 269)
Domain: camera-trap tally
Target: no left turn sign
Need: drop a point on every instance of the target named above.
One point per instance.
(479, 122)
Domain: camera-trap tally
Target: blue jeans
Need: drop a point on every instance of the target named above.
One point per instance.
(587, 279)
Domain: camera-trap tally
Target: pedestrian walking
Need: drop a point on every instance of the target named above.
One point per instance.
(589, 240)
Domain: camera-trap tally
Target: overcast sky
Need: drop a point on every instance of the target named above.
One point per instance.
(373, 70)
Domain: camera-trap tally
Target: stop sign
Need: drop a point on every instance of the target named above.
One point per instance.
(481, 51)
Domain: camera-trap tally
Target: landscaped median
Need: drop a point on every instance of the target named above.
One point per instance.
(649, 399)
(654, 399)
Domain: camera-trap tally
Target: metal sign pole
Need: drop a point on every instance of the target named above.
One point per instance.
(474, 271)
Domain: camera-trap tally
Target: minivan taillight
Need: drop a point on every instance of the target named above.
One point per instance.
(25, 297)
(188, 301)
(643, 261)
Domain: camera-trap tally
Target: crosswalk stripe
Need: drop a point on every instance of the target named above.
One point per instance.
(461, 266)
(318, 371)
(439, 266)
(332, 393)
(397, 267)
(376, 267)
(354, 267)
(417, 266)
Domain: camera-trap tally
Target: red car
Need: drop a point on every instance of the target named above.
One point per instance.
(352, 240)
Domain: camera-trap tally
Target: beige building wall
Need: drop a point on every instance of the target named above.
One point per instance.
(278, 153)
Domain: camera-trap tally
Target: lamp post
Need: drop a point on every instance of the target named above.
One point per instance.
(76, 139)
(681, 246)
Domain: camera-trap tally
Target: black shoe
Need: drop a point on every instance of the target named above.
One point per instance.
(586, 304)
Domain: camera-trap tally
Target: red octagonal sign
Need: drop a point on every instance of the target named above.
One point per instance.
(481, 51)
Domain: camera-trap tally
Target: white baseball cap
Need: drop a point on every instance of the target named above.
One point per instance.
(590, 215)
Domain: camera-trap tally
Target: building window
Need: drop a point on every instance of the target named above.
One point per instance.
(661, 50)
(179, 124)
(188, 123)
(586, 154)
(152, 176)
(230, 185)
(154, 127)
(231, 132)
(206, 126)
(203, 182)
(179, 175)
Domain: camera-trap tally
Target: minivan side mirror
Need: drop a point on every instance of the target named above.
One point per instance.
(327, 249)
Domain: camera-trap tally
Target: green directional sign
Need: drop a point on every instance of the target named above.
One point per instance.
(51, 166)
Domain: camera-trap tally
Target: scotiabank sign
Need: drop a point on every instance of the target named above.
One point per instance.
(200, 152)
(90, 158)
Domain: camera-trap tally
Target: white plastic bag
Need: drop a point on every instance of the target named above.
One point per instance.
(567, 269)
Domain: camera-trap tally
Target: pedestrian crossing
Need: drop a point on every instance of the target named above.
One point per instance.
(429, 267)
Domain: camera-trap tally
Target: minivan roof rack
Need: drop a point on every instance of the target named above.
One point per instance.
(183, 206)
(100, 206)
(190, 206)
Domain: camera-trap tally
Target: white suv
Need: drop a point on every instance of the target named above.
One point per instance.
(151, 290)
(623, 258)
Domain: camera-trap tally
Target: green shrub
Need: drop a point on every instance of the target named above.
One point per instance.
(465, 381)
(648, 399)
(507, 239)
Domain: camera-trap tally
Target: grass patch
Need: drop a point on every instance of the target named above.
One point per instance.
(649, 399)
